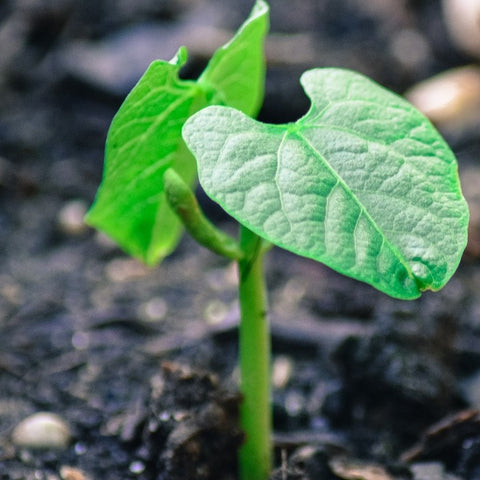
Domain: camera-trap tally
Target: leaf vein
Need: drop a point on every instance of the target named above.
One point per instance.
(344, 185)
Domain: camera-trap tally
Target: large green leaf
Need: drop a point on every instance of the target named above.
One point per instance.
(363, 182)
(145, 139)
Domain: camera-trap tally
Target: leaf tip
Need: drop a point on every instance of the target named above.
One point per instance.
(261, 7)
(181, 57)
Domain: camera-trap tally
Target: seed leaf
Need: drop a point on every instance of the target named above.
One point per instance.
(145, 139)
(362, 183)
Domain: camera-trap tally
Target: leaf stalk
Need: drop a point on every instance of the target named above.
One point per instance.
(184, 203)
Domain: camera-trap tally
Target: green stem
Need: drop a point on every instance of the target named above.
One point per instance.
(256, 452)
(184, 203)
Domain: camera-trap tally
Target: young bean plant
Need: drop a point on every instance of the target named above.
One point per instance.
(362, 183)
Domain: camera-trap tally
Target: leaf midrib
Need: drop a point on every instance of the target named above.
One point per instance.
(363, 210)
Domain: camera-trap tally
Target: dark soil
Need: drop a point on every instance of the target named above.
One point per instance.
(141, 362)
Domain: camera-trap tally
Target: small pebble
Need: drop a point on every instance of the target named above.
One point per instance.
(80, 448)
(137, 467)
(450, 99)
(430, 471)
(164, 416)
(70, 473)
(282, 370)
(71, 218)
(462, 18)
(215, 312)
(294, 403)
(80, 340)
(410, 48)
(42, 430)
(154, 310)
(125, 269)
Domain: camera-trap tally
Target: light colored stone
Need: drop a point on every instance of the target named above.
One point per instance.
(282, 371)
(125, 269)
(431, 471)
(450, 99)
(462, 18)
(71, 473)
(42, 430)
(137, 467)
(71, 218)
(410, 48)
(215, 312)
(154, 310)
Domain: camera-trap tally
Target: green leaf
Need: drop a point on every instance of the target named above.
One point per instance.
(363, 183)
(237, 70)
(145, 139)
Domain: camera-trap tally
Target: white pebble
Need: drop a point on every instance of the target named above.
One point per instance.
(282, 370)
(81, 340)
(42, 430)
(71, 218)
(215, 312)
(155, 309)
(137, 467)
(450, 99)
(462, 18)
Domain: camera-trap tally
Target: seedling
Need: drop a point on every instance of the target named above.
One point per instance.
(362, 183)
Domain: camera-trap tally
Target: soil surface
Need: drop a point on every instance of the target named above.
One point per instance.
(140, 363)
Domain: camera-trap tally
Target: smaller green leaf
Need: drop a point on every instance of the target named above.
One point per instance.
(145, 138)
(363, 182)
(237, 70)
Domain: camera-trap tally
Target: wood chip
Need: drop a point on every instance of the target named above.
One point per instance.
(445, 435)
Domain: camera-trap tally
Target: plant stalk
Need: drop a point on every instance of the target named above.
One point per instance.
(255, 412)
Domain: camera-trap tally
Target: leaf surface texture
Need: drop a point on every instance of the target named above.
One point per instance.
(362, 183)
